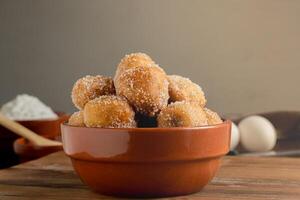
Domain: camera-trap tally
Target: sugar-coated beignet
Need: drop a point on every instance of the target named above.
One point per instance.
(146, 89)
(183, 89)
(76, 119)
(182, 114)
(212, 117)
(133, 60)
(109, 112)
(91, 87)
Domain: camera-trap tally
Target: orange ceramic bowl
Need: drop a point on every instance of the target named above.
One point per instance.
(146, 162)
(49, 128)
(27, 151)
(12, 151)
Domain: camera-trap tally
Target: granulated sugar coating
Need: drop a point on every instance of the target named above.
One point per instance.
(91, 87)
(182, 114)
(146, 89)
(139, 96)
(183, 89)
(109, 112)
(26, 107)
(212, 117)
(133, 60)
(76, 119)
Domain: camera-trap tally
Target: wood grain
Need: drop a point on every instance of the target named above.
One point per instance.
(52, 177)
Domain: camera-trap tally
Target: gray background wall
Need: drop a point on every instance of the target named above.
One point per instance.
(245, 54)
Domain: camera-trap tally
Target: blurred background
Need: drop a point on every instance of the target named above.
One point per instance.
(244, 54)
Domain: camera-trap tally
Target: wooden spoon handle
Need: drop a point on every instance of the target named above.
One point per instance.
(26, 133)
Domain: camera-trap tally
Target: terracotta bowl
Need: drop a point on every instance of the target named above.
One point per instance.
(11, 152)
(146, 162)
(47, 128)
(28, 151)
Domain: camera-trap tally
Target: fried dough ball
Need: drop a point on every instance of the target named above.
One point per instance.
(212, 117)
(182, 114)
(132, 60)
(183, 89)
(146, 89)
(91, 87)
(109, 112)
(76, 119)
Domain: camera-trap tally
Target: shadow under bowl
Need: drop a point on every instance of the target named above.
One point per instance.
(146, 162)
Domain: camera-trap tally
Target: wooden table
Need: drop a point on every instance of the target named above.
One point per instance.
(52, 177)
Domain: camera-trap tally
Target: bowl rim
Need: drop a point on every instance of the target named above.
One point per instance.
(60, 116)
(220, 125)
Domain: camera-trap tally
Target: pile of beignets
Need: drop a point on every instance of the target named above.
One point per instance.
(140, 95)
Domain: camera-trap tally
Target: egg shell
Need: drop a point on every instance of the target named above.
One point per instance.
(235, 136)
(257, 134)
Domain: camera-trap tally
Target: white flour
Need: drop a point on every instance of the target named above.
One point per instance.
(26, 107)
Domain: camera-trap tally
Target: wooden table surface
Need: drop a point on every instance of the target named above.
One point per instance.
(52, 177)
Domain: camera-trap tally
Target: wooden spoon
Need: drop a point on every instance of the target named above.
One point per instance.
(26, 133)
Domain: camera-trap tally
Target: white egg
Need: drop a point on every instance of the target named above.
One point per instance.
(257, 134)
(235, 136)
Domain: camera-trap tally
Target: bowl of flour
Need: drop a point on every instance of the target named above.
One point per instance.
(35, 115)
(27, 108)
